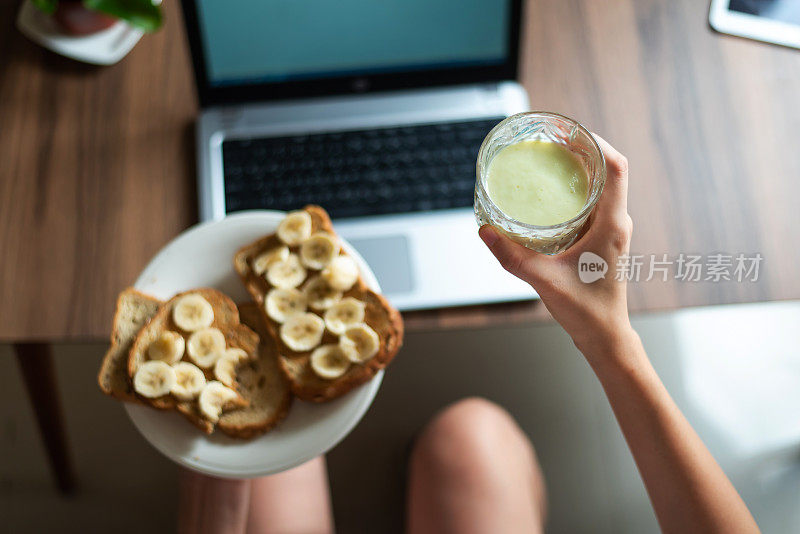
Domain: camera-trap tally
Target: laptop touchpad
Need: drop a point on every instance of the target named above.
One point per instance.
(388, 257)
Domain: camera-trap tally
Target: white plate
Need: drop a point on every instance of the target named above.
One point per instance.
(105, 47)
(203, 257)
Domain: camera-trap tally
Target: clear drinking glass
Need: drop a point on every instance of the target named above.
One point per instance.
(540, 126)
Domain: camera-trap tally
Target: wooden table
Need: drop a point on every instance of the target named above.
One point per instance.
(97, 163)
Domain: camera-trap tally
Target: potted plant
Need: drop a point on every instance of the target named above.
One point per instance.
(84, 17)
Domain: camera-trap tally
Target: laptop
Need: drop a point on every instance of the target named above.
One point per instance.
(374, 110)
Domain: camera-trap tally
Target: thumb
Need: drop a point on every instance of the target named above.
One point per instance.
(520, 261)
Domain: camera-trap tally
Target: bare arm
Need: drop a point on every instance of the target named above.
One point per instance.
(688, 489)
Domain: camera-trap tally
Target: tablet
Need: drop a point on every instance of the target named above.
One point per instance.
(772, 21)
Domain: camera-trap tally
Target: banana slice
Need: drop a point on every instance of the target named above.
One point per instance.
(329, 361)
(302, 332)
(214, 398)
(341, 273)
(153, 379)
(318, 250)
(236, 353)
(206, 346)
(286, 274)
(168, 347)
(264, 261)
(225, 368)
(189, 381)
(319, 295)
(192, 312)
(283, 303)
(362, 341)
(295, 228)
(346, 312)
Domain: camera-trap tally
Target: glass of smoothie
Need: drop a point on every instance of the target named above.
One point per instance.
(539, 175)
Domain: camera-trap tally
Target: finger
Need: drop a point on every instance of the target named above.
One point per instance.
(613, 202)
(522, 262)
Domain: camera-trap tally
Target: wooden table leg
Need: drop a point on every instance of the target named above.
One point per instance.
(36, 362)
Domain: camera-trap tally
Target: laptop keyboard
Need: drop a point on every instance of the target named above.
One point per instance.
(355, 173)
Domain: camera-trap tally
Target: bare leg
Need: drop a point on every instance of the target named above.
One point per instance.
(473, 470)
(293, 502)
(210, 505)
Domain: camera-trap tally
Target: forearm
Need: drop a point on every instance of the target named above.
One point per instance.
(688, 489)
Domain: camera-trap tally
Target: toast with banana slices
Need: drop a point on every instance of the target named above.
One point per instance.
(258, 381)
(332, 332)
(186, 356)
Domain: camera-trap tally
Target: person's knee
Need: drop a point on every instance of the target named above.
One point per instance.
(468, 436)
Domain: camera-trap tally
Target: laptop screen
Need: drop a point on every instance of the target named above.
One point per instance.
(263, 41)
(273, 42)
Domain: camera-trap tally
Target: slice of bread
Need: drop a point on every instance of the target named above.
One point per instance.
(226, 318)
(261, 383)
(134, 309)
(380, 315)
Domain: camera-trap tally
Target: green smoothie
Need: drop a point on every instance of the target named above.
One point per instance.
(537, 182)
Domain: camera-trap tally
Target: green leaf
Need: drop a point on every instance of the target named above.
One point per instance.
(139, 13)
(46, 6)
